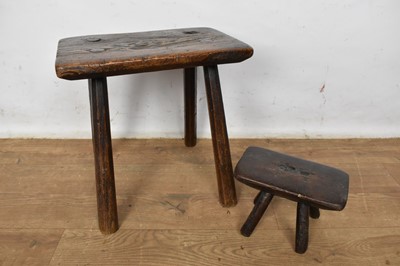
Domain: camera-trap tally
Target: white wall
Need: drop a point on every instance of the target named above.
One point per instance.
(351, 47)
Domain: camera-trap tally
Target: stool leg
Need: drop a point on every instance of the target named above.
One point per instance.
(256, 199)
(261, 205)
(302, 227)
(222, 154)
(105, 184)
(314, 212)
(190, 91)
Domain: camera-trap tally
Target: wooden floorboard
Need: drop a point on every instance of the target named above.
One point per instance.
(169, 212)
(227, 247)
(28, 246)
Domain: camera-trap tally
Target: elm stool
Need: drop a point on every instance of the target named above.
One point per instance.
(97, 57)
(313, 186)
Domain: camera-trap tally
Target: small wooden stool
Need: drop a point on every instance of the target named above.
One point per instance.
(313, 186)
(97, 57)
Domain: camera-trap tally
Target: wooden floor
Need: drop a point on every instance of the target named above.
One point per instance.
(169, 211)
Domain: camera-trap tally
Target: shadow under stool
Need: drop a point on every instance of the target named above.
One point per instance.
(97, 57)
(313, 186)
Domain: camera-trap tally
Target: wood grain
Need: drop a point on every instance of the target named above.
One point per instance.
(261, 202)
(293, 178)
(93, 56)
(28, 247)
(220, 140)
(228, 247)
(136, 211)
(103, 157)
(168, 216)
(190, 106)
(364, 210)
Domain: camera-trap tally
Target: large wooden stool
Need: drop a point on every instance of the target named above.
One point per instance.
(96, 57)
(313, 186)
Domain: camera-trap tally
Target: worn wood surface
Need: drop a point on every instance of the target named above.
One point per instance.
(294, 178)
(227, 247)
(28, 246)
(302, 223)
(168, 215)
(222, 154)
(261, 204)
(314, 212)
(190, 105)
(116, 54)
(103, 158)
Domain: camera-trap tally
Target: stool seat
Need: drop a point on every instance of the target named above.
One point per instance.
(313, 186)
(94, 56)
(286, 176)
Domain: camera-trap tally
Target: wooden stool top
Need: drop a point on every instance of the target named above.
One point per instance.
(117, 54)
(293, 178)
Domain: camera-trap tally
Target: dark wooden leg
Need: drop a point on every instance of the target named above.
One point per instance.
(190, 91)
(302, 227)
(257, 197)
(263, 200)
(222, 154)
(105, 184)
(314, 212)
